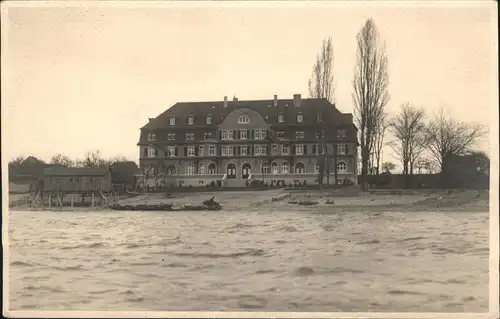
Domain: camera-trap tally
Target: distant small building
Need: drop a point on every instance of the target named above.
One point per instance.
(77, 180)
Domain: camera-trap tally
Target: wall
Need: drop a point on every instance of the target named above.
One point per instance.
(77, 183)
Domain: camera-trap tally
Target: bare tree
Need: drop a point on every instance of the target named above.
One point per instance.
(409, 130)
(92, 159)
(61, 159)
(378, 141)
(370, 90)
(321, 86)
(388, 167)
(447, 137)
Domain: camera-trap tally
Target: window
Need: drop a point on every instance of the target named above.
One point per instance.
(274, 168)
(341, 148)
(285, 149)
(171, 151)
(275, 149)
(341, 167)
(300, 118)
(319, 135)
(190, 120)
(227, 150)
(299, 149)
(223, 150)
(171, 121)
(260, 134)
(171, 136)
(201, 170)
(191, 151)
(230, 135)
(265, 168)
(208, 119)
(243, 134)
(318, 118)
(151, 152)
(280, 135)
(207, 135)
(243, 150)
(151, 137)
(341, 134)
(190, 136)
(201, 150)
(243, 119)
(212, 169)
(316, 168)
(211, 150)
(299, 135)
(189, 169)
(230, 151)
(224, 135)
(263, 150)
(300, 168)
(281, 118)
(284, 168)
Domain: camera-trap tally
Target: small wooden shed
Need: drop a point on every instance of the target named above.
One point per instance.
(77, 180)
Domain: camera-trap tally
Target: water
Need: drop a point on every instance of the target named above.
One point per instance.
(249, 261)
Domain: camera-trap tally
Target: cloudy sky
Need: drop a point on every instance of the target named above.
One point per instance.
(86, 77)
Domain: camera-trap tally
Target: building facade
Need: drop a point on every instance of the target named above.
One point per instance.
(232, 143)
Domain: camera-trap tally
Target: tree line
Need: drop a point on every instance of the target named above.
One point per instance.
(419, 141)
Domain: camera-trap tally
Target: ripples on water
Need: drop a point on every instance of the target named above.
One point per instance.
(249, 261)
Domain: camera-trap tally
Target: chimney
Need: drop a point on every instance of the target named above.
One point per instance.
(275, 103)
(235, 99)
(225, 101)
(296, 100)
(151, 119)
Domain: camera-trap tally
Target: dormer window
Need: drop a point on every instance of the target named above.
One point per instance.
(243, 119)
(151, 137)
(300, 118)
(208, 119)
(190, 120)
(171, 121)
(299, 135)
(341, 134)
(281, 118)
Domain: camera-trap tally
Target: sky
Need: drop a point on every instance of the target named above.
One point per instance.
(84, 76)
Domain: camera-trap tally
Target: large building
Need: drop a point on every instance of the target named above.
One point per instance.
(232, 143)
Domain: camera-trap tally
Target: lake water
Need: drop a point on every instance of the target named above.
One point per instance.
(257, 260)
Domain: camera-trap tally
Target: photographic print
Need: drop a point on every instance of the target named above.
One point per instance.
(245, 158)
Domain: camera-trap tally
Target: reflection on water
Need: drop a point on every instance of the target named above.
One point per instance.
(249, 261)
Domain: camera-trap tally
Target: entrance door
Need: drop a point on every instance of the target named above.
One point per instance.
(231, 171)
(246, 170)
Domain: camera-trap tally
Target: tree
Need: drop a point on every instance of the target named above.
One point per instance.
(482, 162)
(321, 87)
(447, 137)
(370, 90)
(63, 160)
(92, 159)
(409, 130)
(378, 142)
(388, 167)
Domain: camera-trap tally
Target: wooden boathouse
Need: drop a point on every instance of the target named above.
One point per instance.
(61, 184)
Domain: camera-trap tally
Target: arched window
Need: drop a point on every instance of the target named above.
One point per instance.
(316, 168)
(341, 167)
(171, 170)
(189, 169)
(201, 169)
(300, 168)
(212, 169)
(274, 168)
(265, 168)
(284, 168)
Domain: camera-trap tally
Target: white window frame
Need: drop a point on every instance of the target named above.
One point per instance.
(265, 168)
(151, 137)
(299, 135)
(243, 134)
(190, 120)
(281, 118)
(212, 150)
(211, 172)
(230, 135)
(243, 119)
(171, 151)
(285, 149)
(263, 150)
(190, 136)
(278, 133)
(341, 148)
(299, 147)
(171, 136)
(223, 150)
(298, 172)
(230, 151)
(201, 150)
(300, 118)
(191, 151)
(256, 150)
(282, 168)
(171, 121)
(207, 135)
(275, 169)
(275, 149)
(224, 135)
(342, 170)
(244, 150)
(151, 152)
(201, 169)
(208, 119)
(189, 169)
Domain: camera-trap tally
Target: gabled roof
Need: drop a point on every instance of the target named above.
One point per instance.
(79, 171)
(309, 107)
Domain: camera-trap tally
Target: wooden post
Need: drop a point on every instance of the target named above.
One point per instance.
(93, 199)
(71, 201)
(50, 200)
